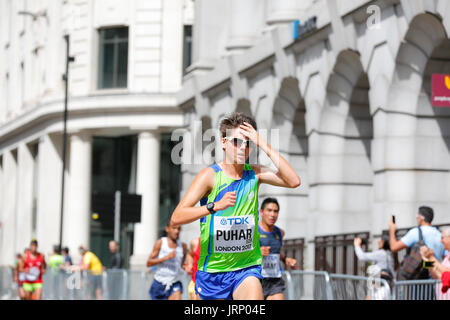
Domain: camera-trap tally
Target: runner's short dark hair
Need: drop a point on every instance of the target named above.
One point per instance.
(269, 200)
(234, 120)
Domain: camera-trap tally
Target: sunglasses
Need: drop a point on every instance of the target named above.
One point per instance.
(238, 142)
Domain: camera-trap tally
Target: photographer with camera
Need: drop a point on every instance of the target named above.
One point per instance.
(423, 234)
(382, 257)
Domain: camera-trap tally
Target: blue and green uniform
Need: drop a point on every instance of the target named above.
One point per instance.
(229, 239)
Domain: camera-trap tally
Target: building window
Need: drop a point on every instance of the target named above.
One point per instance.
(113, 58)
(187, 47)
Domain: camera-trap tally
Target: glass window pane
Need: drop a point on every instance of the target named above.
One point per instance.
(122, 68)
(108, 34)
(108, 66)
(113, 58)
(122, 33)
(187, 47)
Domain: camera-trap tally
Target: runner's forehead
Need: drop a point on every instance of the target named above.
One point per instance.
(235, 133)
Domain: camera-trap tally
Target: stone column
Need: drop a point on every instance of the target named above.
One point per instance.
(76, 221)
(25, 203)
(284, 11)
(243, 31)
(7, 244)
(147, 185)
(209, 33)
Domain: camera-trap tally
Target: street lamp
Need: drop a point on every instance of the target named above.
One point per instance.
(65, 77)
(35, 16)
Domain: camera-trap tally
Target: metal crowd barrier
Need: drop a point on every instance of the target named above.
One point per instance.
(307, 285)
(419, 290)
(117, 284)
(349, 287)
(300, 285)
(8, 289)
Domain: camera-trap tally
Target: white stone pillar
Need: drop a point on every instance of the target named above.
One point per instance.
(8, 243)
(147, 185)
(76, 221)
(49, 192)
(246, 24)
(284, 11)
(209, 33)
(25, 203)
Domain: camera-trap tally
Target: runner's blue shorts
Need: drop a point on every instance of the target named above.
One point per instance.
(221, 285)
(158, 290)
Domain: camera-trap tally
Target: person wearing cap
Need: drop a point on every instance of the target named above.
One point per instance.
(431, 235)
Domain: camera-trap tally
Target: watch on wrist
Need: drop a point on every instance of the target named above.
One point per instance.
(210, 207)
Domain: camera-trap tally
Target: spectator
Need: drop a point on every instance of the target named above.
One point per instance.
(56, 259)
(115, 278)
(382, 257)
(116, 260)
(445, 281)
(375, 290)
(439, 268)
(431, 235)
(67, 258)
(90, 262)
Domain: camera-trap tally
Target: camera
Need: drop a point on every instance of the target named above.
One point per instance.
(428, 264)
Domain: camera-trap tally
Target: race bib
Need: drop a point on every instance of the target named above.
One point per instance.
(33, 274)
(172, 265)
(233, 234)
(271, 266)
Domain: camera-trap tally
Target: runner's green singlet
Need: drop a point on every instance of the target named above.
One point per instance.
(230, 238)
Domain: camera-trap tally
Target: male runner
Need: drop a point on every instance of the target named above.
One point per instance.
(19, 276)
(230, 257)
(168, 255)
(191, 265)
(34, 267)
(271, 241)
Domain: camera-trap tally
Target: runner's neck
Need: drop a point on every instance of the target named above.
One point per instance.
(266, 227)
(172, 243)
(234, 171)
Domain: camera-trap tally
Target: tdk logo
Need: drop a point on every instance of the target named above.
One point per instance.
(232, 221)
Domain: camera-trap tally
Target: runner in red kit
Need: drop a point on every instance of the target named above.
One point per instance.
(34, 268)
(191, 265)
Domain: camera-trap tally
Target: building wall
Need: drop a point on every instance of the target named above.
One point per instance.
(351, 105)
(32, 62)
(351, 101)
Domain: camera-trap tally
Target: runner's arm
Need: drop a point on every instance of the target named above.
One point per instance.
(186, 212)
(291, 262)
(152, 259)
(185, 253)
(189, 260)
(44, 266)
(285, 176)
